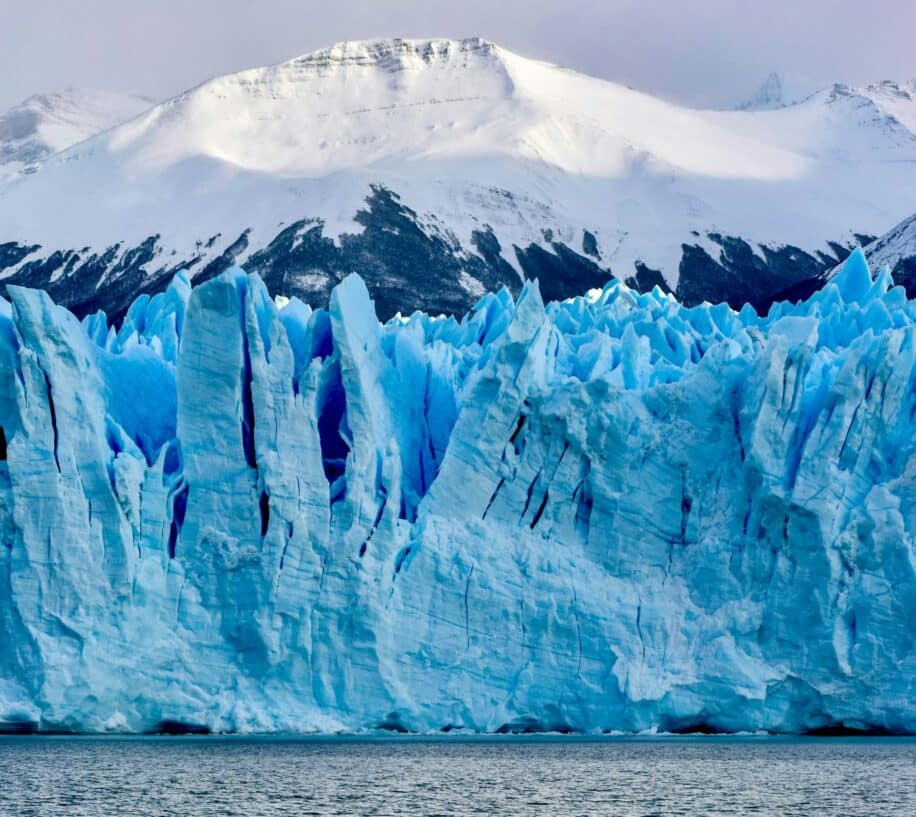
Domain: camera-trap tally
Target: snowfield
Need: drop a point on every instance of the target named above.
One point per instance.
(45, 124)
(474, 141)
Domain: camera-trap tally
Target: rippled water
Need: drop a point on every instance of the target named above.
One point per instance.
(252, 777)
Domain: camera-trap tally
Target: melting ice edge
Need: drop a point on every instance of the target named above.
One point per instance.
(610, 513)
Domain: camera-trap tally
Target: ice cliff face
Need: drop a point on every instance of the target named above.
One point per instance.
(612, 512)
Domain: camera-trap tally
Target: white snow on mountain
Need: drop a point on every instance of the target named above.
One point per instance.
(45, 124)
(895, 247)
(897, 100)
(777, 91)
(469, 134)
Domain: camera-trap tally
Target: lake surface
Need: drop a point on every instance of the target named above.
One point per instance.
(453, 776)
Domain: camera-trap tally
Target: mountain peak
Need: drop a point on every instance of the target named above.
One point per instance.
(777, 91)
(46, 123)
(768, 95)
(394, 54)
(470, 149)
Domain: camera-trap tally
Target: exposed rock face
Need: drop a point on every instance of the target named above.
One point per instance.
(408, 266)
(442, 169)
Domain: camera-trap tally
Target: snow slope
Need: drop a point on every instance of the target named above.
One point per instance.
(896, 249)
(46, 124)
(500, 165)
(610, 513)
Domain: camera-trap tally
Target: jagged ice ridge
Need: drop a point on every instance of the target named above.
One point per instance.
(608, 513)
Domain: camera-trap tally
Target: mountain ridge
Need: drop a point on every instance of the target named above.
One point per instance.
(45, 124)
(502, 167)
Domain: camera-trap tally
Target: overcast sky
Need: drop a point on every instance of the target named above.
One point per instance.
(701, 52)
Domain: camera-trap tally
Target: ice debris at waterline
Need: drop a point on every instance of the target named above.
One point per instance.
(609, 513)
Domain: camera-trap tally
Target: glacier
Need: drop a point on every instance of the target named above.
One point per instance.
(235, 513)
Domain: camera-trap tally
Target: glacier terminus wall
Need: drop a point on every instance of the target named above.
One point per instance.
(607, 513)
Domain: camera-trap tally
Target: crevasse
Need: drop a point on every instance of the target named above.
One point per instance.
(607, 513)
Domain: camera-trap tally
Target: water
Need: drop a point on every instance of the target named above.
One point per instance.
(559, 777)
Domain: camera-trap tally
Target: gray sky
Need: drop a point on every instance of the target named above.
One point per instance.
(703, 52)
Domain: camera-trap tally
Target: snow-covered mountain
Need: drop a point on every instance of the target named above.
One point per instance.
(612, 512)
(45, 124)
(896, 249)
(777, 92)
(440, 169)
